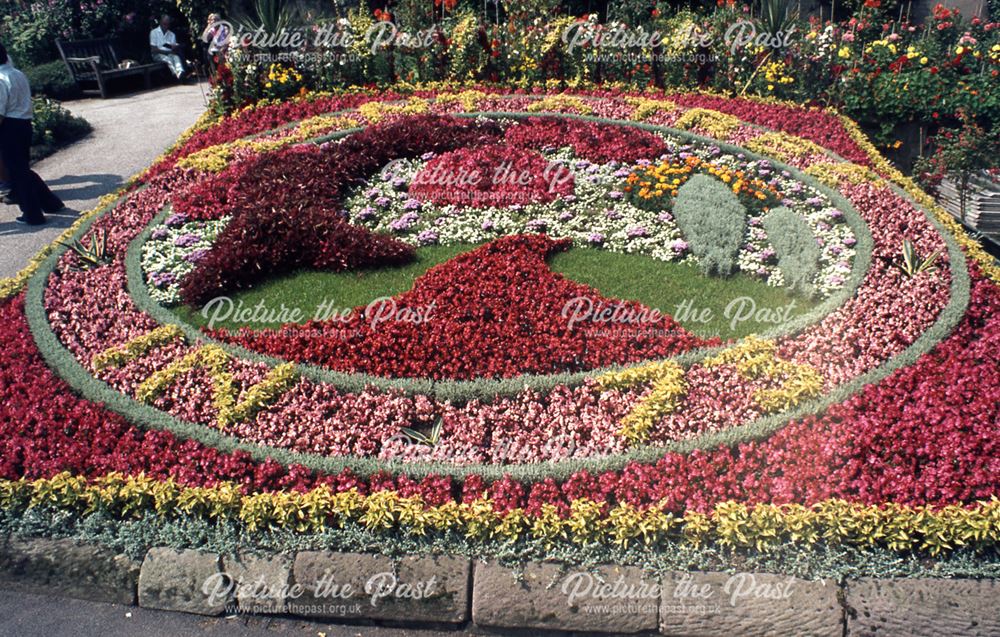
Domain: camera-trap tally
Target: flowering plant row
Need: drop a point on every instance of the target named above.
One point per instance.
(879, 66)
(764, 527)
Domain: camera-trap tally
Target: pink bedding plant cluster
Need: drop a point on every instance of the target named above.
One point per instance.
(91, 311)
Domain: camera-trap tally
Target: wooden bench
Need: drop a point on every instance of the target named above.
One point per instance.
(93, 62)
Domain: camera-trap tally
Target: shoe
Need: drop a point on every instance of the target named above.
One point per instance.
(9, 199)
(30, 222)
(53, 210)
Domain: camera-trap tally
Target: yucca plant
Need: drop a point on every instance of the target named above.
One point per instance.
(430, 439)
(93, 256)
(912, 264)
(776, 18)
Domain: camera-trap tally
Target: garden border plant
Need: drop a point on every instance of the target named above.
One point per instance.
(56, 356)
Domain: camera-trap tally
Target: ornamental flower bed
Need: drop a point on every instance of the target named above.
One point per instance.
(500, 400)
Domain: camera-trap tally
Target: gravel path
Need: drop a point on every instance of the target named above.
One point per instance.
(129, 133)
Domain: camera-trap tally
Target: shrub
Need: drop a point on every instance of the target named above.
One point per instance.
(794, 241)
(54, 127)
(52, 80)
(713, 221)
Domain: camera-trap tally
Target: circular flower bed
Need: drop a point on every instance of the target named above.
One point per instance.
(492, 380)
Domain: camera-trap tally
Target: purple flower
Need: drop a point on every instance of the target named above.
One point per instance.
(159, 233)
(197, 255)
(536, 225)
(612, 214)
(161, 279)
(411, 204)
(679, 245)
(850, 241)
(565, 216)
(427, 237)
(405, 222)
(176, 220)
(637, 231)
(595, 238)
(665, 217)
(615, 194)
(382, 202)
(366, 213)
(488, 225)
(427, 156)
(186, 240)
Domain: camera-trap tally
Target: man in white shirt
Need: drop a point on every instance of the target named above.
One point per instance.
(32, 195)
(163, 44)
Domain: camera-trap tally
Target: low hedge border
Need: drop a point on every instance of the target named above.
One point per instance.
(921, 531)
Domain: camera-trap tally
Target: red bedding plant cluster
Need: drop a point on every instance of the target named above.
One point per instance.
(286, 205)
(925, 435)
(589, 141)
(491, 176)
(321, 176)
(497, 311)
(264, 242)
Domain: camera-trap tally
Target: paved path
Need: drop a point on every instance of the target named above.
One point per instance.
(27, 615)
(129, 133)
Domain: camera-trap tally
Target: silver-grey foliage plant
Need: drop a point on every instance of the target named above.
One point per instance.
(713, 222)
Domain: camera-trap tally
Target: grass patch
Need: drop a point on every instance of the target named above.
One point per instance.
(704, 305)
(308, 290)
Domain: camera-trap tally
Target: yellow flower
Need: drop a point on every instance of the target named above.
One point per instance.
(923, 60)
(844, 52)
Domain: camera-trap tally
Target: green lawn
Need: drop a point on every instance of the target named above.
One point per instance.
(703, 305)
(683, 292)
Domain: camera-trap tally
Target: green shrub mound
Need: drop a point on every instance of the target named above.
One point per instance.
(54, 127)
(798, 252)
(52, 80)
(713, 222)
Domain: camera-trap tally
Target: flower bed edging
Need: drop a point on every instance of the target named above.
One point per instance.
(454, 591)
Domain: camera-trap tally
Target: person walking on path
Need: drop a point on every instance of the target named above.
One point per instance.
(33, 197)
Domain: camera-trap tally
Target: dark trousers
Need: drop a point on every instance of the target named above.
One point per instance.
(31, 193)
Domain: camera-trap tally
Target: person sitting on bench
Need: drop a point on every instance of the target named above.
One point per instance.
(163, 44)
